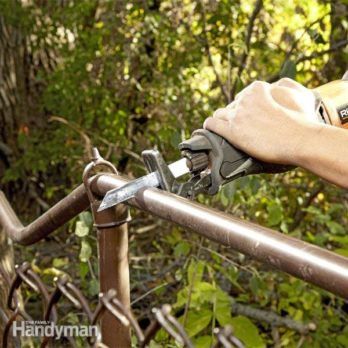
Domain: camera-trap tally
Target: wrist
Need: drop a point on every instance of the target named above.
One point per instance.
(308, 141)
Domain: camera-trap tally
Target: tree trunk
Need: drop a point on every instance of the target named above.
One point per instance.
(6, 273)
(12, 117)
(19, 111)
(12, 92)
(337, 64)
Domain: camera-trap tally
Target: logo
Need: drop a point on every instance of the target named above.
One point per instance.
(343, 113)
(49, 329)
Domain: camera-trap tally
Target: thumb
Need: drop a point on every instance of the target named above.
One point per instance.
(218, 126)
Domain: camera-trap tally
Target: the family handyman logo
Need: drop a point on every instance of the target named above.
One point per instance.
(49, 329)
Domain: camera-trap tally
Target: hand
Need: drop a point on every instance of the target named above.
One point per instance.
(268, 121)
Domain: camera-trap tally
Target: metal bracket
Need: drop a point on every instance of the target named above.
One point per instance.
(97, 161)
(114, 223)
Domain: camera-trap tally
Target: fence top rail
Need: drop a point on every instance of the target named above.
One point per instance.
(298, 258)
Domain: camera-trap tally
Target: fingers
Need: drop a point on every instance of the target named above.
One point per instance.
(257, 92)
(217, 126)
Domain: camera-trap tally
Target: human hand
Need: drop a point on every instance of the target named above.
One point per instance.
(268, 121)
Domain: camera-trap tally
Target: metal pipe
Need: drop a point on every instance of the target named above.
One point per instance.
(70, 206)
(296, 257)
(300, 259)
(112, 232)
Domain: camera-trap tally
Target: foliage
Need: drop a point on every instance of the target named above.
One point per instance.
(140, 74)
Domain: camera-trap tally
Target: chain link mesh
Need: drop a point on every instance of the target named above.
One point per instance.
(64, 288)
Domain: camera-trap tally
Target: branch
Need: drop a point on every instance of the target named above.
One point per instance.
(210, 58)
(333, 48)
(249, 32)
(300, 213)
(272, 318)
(33, 194)
(88, 144)
(295, 43)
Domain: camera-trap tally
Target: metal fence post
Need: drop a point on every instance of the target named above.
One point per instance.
(112, 231)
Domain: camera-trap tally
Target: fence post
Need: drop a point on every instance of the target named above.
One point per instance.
(112, 232)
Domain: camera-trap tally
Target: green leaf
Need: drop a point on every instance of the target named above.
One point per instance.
(224, 199)
(223, 307)
(60, 262)
(86, 251)
(81, 229)
(86, 217)
(195, 271)
(83, 270)
(343, 339)
(93, 287)
(182, 249)
(335, 228)
(275, 214)
(204, 292)
(197, 321)
(202, 341)
(247, 332)
(227, 193)
(229, 189)
(343, 240)
(288, 70)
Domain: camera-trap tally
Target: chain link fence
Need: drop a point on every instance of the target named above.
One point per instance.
(112, 316)
(65, 289)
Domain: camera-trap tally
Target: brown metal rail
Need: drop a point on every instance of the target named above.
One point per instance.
(300, 259)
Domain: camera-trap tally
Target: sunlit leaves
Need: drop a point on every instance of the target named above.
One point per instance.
(135, 75)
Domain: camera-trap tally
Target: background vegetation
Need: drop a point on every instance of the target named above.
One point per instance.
(130, 75)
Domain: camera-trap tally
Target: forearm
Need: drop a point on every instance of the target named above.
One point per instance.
(278, 123)
(325, 153)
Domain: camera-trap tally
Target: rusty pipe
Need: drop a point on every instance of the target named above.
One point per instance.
(112, 233)
(300, 259)
(303, 260)
(70, 206)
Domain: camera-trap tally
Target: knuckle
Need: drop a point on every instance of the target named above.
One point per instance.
(285, 80)
(207, 123)
(219, 112)
(257, 84)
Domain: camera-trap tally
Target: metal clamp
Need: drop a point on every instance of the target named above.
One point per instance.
(114, 223)
(97, 161)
